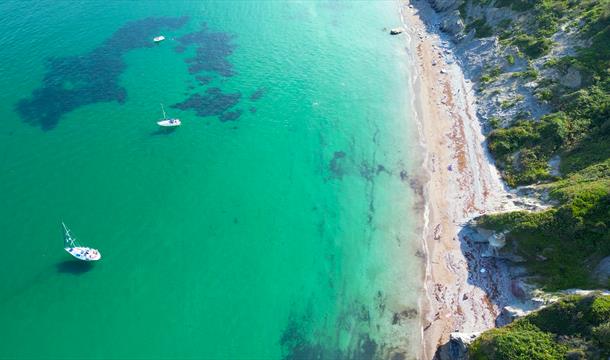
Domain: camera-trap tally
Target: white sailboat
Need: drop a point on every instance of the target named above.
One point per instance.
(73, 248)
(159, 38)
(165, 122)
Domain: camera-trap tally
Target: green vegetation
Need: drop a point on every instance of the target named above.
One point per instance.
(531, 72)
(562, 244)
(481, 28)
(575, 327)
(491, 75)
(495, 122)
(544, 94)
(532, 46)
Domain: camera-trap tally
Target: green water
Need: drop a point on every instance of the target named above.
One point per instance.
(287, 233)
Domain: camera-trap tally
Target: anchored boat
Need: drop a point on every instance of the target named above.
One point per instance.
(165, 122)
(159, 38)
(73, 248)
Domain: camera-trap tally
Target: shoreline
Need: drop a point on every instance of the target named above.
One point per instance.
(463, 291)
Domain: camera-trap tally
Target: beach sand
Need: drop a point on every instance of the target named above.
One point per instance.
(462, 288)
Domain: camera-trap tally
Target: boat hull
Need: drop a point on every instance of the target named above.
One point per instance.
(169, 123)
(84, 253)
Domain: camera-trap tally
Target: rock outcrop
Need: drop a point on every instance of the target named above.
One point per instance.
(457, 347)
(453, 25)
(510, 314)
(572, 78)
(602, 271)
(444, 5)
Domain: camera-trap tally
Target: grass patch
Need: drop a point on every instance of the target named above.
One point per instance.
(575, 327)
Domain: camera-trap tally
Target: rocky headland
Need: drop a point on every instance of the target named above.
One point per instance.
(524, 149)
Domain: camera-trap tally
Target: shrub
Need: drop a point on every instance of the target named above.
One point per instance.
(544, 94)
(565, 329)
(600, 310)
(518, 343)
(533, 47)
(601, 334)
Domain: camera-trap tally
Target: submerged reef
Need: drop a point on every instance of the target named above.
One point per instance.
(211, 51)
(211, 103)
(211, 56)
(74, 81)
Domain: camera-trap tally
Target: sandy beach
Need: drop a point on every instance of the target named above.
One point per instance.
(463, 290)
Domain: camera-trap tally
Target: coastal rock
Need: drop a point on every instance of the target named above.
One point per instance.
(479, 54)
(453, 24)
(572, 78)
(457, 347)
(444, 5)
(511, 313)
(602, 271)
(554, 165)
(582, 292)
(497, 240)
(510, 256)
(517, 289)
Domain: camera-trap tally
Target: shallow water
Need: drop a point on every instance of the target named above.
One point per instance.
(277, 222)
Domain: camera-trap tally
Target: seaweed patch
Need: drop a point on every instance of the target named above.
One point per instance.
(258, 94)
(230, 115)
(204, 80)
(74, 81)
(211, 51)
(336, 165)
(212, 103)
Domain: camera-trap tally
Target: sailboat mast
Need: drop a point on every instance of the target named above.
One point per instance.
(68, 240)
(162, 109)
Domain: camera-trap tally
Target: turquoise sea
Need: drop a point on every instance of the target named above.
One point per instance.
(278, 222)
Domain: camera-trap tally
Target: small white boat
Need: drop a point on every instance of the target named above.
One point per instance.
(159, 38)
(75, 249)
(165, 122)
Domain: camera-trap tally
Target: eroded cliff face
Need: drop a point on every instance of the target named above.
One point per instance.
(444, 5)
(505, 92)
(512, 81)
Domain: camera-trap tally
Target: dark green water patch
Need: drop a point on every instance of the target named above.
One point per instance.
(258, 94)
(204, 80)
(211, 51)
(336, 166)
(74, 81)
(212, 103)
(230, 115)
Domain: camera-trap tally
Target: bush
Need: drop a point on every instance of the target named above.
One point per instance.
(533, 47)
(601, 334)
(544, 94)
(600, 310)
(565, 329)
(518, 343)
(572, 237)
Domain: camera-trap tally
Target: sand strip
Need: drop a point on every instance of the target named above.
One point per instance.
(461, 287)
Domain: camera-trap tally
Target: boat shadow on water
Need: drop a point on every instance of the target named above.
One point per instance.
(163, 131)
(74, 267)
